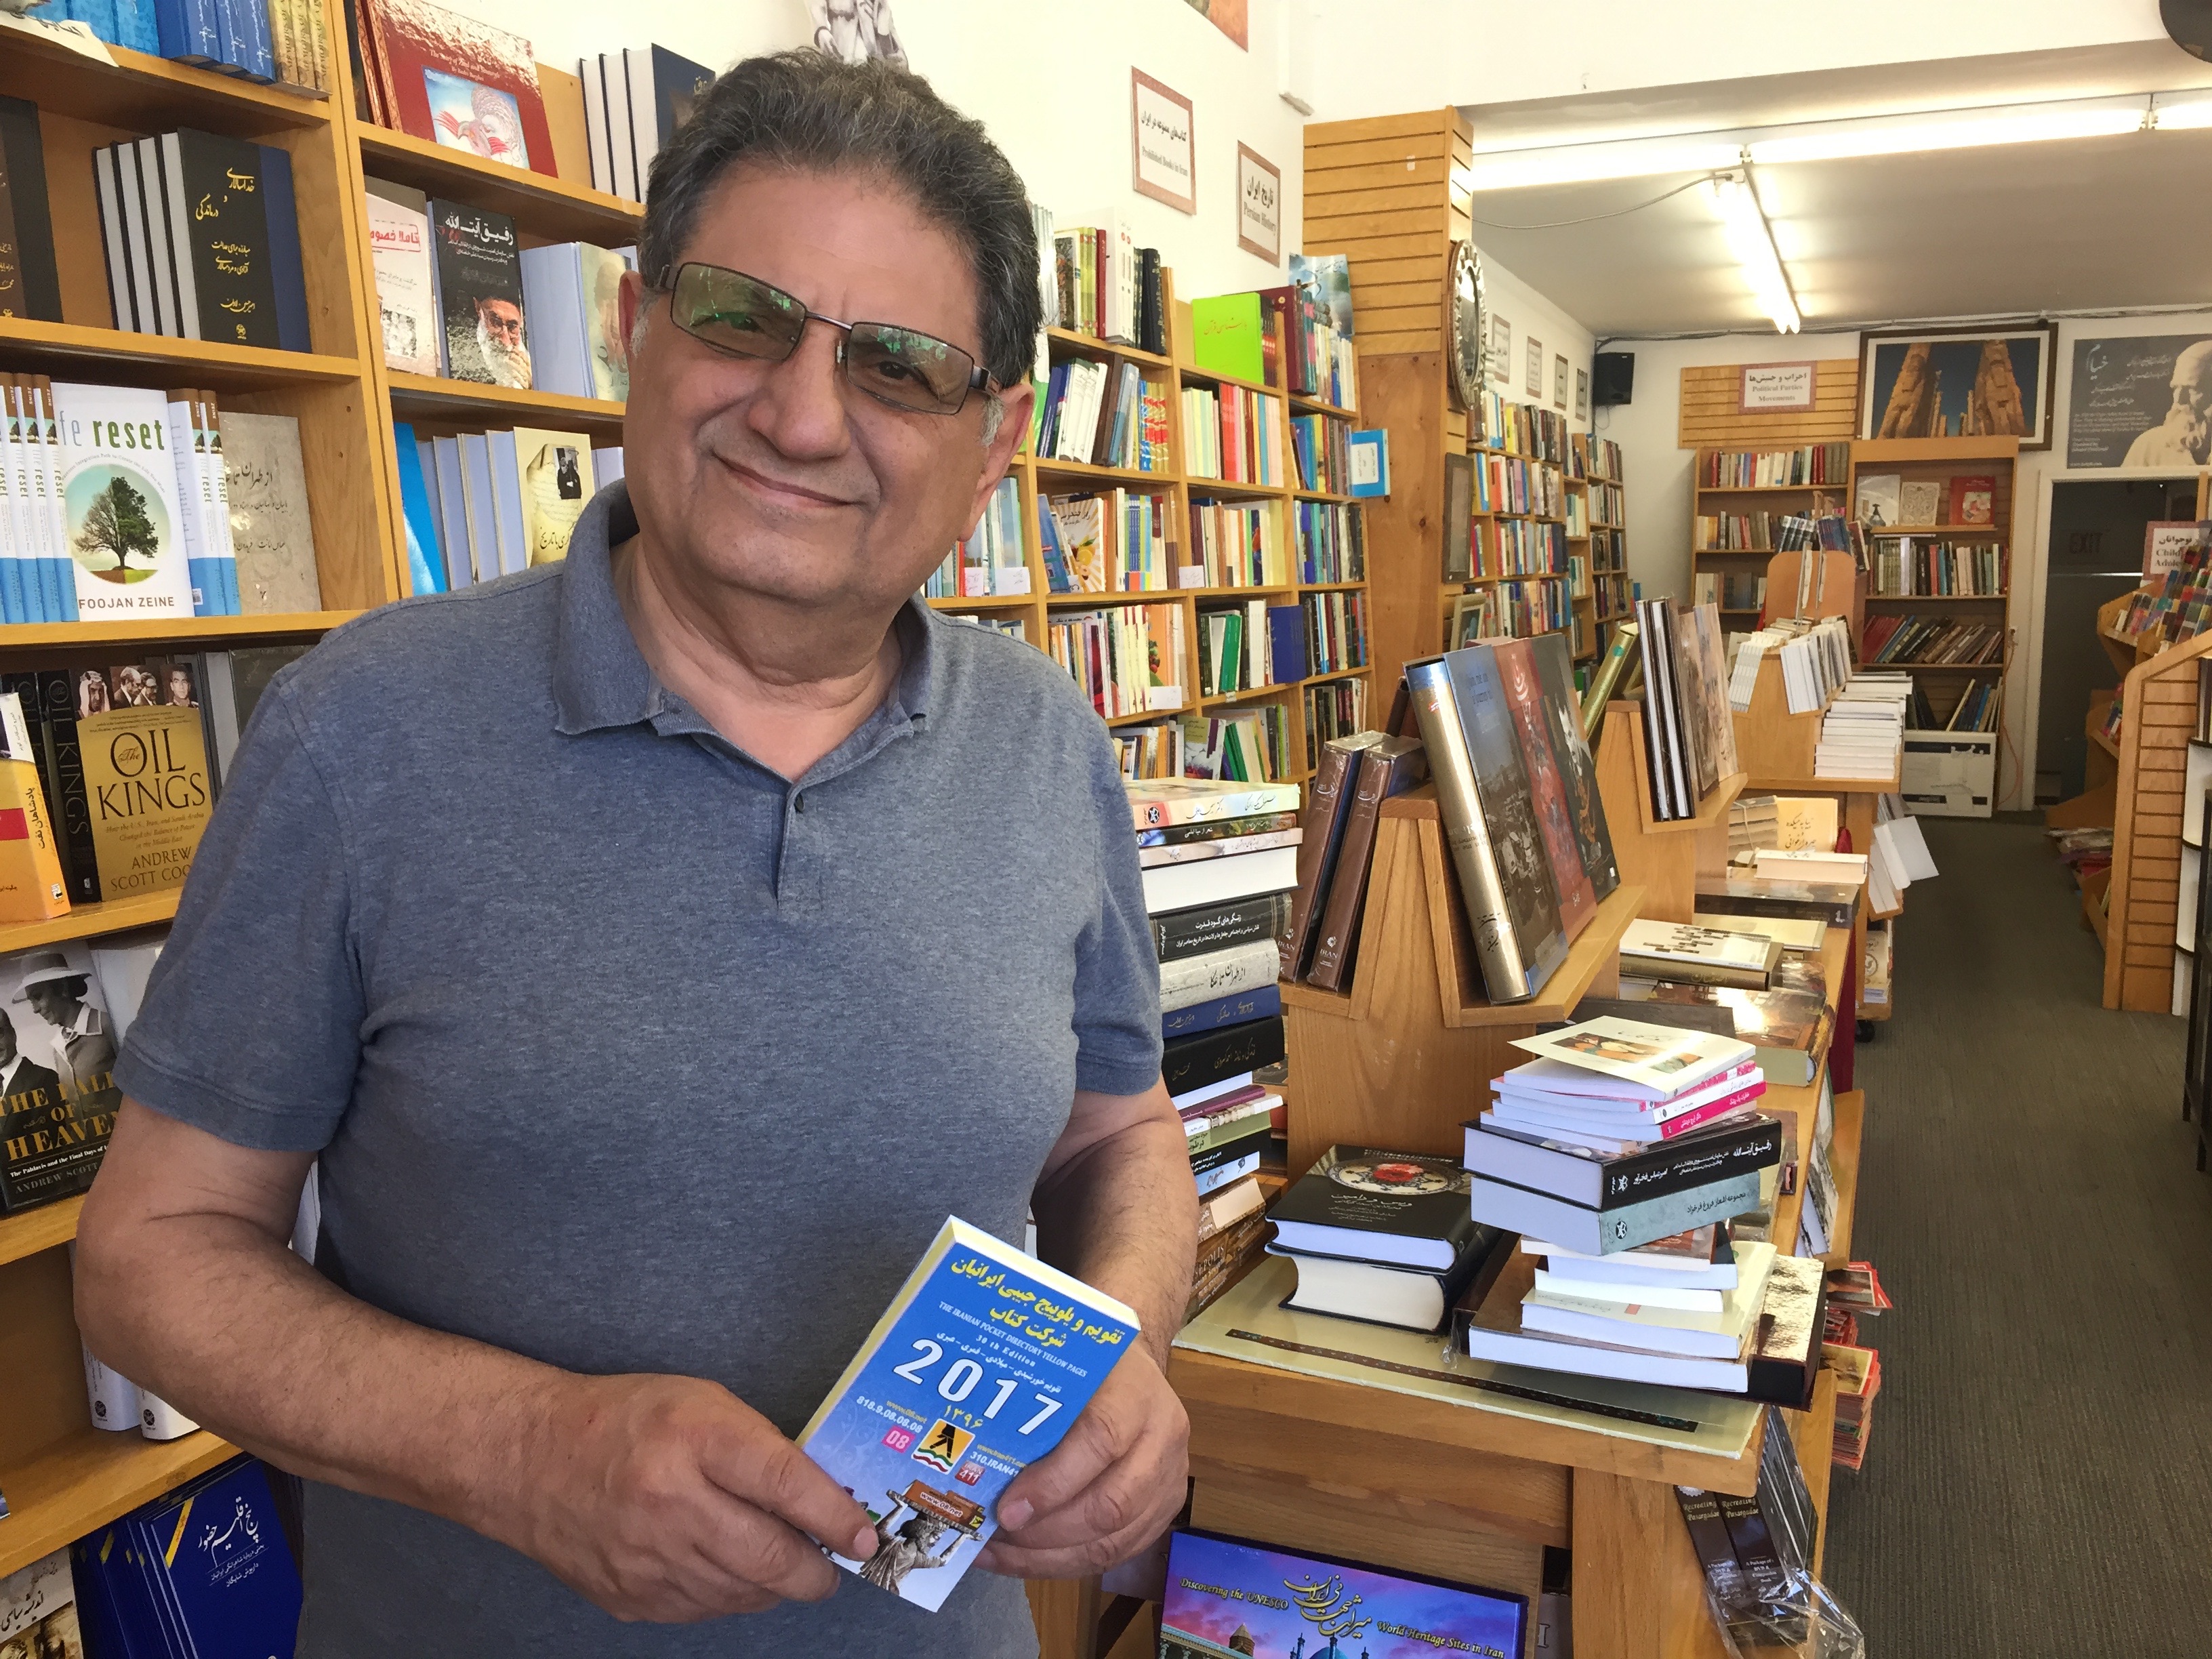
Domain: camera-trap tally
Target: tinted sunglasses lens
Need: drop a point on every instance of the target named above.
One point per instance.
(912, 370)
(736, 313)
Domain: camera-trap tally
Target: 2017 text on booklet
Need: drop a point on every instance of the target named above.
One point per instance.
(975, 1370)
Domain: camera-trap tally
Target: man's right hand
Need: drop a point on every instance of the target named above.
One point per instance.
(669, 1498)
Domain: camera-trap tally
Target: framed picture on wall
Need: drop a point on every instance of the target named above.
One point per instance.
(1534, 385)
(1258, 205)
(1581, 394)
(1559, 382)
(1163, 156)
(1501, 351)
(1958, 382)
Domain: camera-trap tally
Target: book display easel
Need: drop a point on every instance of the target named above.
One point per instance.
(1415, 1461)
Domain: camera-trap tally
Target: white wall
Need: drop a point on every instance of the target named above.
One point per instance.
(1049, 78)
(1531, 315)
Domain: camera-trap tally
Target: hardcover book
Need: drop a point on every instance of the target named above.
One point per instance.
(218, 237)
(1577, 767)
(406, 293)
(270, 534)
(216, 1559)
(1224, 1596)
(1327, 800)
(1565, 1168)
(555, 483)
(981, 1363)
(1548, 788)
(1656, 1062)
(57, 1093)
(119, 492)
(39, 1613)
(146, 775)
(32, 886)
(1196, 1062)
(1385, 768)
(1157, 802)
(479, 276)
(1973, 500)
(1407, 1209)
(29, 285)
(458, 83)
(1509, 811)
(1703, 956)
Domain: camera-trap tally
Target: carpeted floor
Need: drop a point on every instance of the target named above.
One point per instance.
(2039, 1479)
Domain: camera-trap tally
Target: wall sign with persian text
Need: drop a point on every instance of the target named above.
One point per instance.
(1772, 388)
(1164, 154)
(1258, 205)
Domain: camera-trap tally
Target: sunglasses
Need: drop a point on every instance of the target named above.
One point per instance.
(745, 317)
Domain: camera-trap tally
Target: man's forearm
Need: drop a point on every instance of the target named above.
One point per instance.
(1121, 1214)
(216, 1316)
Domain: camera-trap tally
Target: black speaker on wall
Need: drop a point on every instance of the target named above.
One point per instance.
(1612, 378)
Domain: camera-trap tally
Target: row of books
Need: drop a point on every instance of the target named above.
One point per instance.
(1335, 632)
(1608, 550)
(1506, 484)
(1751, 532)
(2176, 603)
(1775, 469)
(1615, 596)
(1239, 745)
(1336, 709)
(1608, 504)
(1332, 540)
(482, 505)
(279, 43)
(1758, 1554)
(1321, 447)
(1975, 711)
(1891, 500)
(1908, 567)
(990, 560)
(1103, 284)
(1243, 647)
(451, 80)
(202, 239)
(1592, 457)
(1232, 433)
(1289, 338)
(1235, 544)
(1909, 639)
(1126, 659)
(1147, 751)
(1355, 775)
(1815, 660)
(1515, 547)
(1689, 731)
(633, 101)
(1524, 430)
(1578, 515)
(1513, 610)
(1103, 415)
(1731, 591)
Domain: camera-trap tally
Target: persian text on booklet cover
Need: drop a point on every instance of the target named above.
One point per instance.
(1548, 788)
(1515, 964)
(1231, 970)
(1369, 1204)
(478, 275)
(39, 1611)
(406, 293)
(218, 235)
(215, 1555)
(1577, 768)
(977, 1368)
(1386, 768)
(1557, 1165)
(456, 81)
(1284, 1603)
(1157, 802)
(1212, 927)
(1262, 1003)
(1656, 1062)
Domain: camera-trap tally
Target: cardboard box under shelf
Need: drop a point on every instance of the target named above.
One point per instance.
(1950, 775)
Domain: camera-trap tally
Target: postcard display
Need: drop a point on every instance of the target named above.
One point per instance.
(1482, 1473)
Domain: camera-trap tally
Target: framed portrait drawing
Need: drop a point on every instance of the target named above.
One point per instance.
(1501, 349)
(1258, 205)
(1559, 382)
(1164, 154)
(1581, 394)
(1959, 382)
(1534, 385)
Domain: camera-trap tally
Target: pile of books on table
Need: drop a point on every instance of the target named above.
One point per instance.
(1863, 733)
(1219, 861)
(1626, 1148)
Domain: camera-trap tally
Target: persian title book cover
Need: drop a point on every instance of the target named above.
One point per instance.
(975, 1370)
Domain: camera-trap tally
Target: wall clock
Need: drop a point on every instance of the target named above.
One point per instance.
(1467, 330)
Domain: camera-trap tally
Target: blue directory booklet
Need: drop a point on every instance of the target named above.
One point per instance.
(975, 1370)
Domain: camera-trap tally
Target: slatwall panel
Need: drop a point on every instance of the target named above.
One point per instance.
(1379, 190)
(1709, 419)
(2161, 714)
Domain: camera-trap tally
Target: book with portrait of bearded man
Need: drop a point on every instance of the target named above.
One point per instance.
(478, 268)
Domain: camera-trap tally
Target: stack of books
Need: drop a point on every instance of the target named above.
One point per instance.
(1384, 1236)
(1585, 1145)
(1219, 861)
(1862, 734)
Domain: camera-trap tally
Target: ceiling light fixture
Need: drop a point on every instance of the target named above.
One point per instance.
(2182, 118)
(1914, 137)
(1751, 238)
(1582, 164)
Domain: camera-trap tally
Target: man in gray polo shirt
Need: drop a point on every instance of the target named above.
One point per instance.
(655, 948)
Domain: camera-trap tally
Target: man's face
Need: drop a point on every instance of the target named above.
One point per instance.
(501, 320)
(780, 479)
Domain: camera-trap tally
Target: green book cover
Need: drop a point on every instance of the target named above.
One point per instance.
(1232, 654)
(1225, 336)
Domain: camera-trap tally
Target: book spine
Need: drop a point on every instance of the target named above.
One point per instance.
(1215, 1179)
(1667, 1169)
(58, 714)
(1198, 1062)
(1594, 1232)
(1335, 941)
(223, 541)
(31, 885)
(1216, 927)
(1246, 1143)
(1263, 1003)
(1709, 1536)
(1435, 707)
(287, 275)
(1201, 977)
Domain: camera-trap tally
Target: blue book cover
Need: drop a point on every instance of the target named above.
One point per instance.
(425, 558)
(1056, 579)
(1226, 1597)
(1263, 1002)
(286, 274)
(189, 31)
(1286, 643)
(257, 40)
(119, 1589)
(982, 1361)
(219, 1559)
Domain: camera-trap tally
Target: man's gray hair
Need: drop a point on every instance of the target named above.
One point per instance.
(805, 111)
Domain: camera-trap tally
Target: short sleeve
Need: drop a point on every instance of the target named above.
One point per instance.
(250, 1027)
(1117, 973)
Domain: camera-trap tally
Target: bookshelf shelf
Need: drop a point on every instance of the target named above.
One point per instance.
(1091, 345)
(72, 350)
(434, 398)
(1323, 495)
(34, 1230)
(1767, 490)
(1150, 714)
(1999, 666)
(1969, 532)
(201, 630)
(554, 210)
(1305, 405)
(87, 1480)
(1120, 475)
(985, 602)
(1330, 587)
(139, 94)
(89, 920)
(1334, 674)
(1937, 598)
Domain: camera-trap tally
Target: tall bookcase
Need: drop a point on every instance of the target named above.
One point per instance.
(1600, 576)
(1172, 372)
(1734, 569)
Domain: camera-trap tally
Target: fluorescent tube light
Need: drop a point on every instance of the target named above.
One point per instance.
(1587, 163)
(2018, 127)
(1751, 241)
(2183, 118)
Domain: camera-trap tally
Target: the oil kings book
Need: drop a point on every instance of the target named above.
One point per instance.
(975, 1370)
(146, 784)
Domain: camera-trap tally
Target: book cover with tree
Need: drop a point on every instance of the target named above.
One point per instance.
(119, 491)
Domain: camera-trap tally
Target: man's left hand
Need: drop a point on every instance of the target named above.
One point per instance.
(1107, 1490)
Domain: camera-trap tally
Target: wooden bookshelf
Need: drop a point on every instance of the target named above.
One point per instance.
(86, 1480)
(1724, 565)
(1601, 547)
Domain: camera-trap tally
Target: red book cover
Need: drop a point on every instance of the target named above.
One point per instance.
(1524, 695)
(461, 84)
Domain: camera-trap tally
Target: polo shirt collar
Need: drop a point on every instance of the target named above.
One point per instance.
(601, 679)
